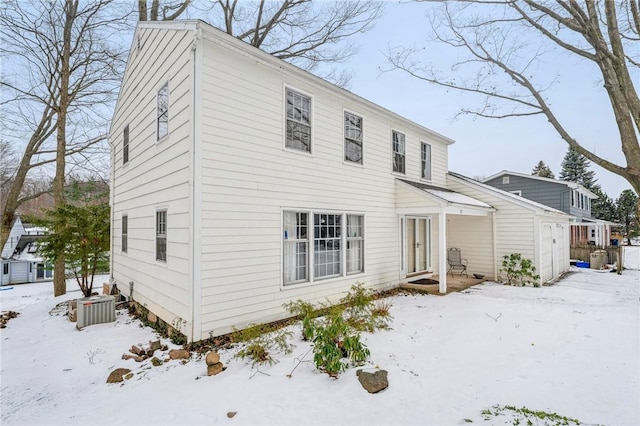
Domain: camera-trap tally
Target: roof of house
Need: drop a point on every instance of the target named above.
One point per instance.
(211, 33)
(447, 195)
(567, 183)
(531, 205)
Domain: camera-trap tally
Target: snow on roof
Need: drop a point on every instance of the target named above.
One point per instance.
(448, 195)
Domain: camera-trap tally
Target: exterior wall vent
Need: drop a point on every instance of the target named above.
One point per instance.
(96, 310)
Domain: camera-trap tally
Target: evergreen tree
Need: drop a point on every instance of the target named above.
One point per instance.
(542, 170)
(627, 215)
(603, 207)
(575, 168)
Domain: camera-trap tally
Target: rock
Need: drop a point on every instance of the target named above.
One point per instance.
(136, 358)
(179, 354)
(156, 362)
(137, 350)
(212, 358)
(149, 352)
(373, 382)
(215, 369)
(151, 317)
(231, 414)
(164, 348)
(118, 375)
(154, 346)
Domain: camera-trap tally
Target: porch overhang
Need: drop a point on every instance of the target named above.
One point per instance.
(439, 200)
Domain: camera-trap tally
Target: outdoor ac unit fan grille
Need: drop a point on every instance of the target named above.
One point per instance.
(96, 310)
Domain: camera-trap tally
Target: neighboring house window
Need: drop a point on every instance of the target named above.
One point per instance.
(296, 247)
(398, 152)
(426, 161)
(163, 111)
(355, 244)
(125, 232)
(125, 145)
(5, 269)
(352, 138)
(161, 235)
(505, 180)
(298, 121)
(327, 253)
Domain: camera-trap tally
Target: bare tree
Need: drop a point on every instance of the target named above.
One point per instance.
(503, 43)
(155, 10)
(305, 33)
(63, 77)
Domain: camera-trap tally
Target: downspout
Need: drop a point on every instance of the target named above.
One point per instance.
(196, 194)
(112, 199)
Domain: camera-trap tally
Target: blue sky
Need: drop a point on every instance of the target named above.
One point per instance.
(486, 146)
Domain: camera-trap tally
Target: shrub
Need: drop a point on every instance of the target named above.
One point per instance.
(336, 340)
(307, 314)
(261, 342)
(519, 270)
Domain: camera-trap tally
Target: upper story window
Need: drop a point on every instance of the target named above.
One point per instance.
(298, 121)
(161, 235)
(125, 145)
(425, 153)
(125, 233)
(398, 152)
(163, 111)
(352, 138)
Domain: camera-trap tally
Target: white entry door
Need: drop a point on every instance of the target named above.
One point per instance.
(418, 245)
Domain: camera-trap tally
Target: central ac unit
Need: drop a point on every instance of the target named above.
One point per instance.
(96, 310)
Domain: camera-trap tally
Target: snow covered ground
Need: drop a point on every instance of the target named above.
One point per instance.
(572, 348)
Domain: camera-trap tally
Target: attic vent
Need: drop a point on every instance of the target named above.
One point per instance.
(96, 310)
(505, 180)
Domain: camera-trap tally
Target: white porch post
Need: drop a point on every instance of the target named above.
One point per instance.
(442, 259)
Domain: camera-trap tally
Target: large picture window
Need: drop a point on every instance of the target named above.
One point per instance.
(426, 160)
(163, 111)
(398, 152)
(125, 233)
(296, 247)
(298, 121)
(161, 235)
(313, 246)
(352, 138)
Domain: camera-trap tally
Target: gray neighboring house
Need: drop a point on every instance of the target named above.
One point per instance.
(569, 197)
(19, 259)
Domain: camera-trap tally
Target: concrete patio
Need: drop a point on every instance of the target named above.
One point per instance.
(456, 283)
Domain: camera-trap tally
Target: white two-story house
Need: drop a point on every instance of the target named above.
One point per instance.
(241, 182)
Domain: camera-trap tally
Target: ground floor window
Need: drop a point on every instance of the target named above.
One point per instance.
(5, 269)
(319, 254)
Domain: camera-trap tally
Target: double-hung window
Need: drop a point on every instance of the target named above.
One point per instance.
(352, 138)
(125, 145)
(296, 247)
(298, 121)
(161, 235)
(398, 152)
(163, 111)
(125, 233)
(355, 244)
(425, 153)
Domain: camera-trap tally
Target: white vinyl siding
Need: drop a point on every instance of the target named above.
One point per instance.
(398, 148)
(298, 133)
(163, 111)
(352, 138)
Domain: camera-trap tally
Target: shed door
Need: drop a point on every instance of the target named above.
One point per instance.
(548, 251)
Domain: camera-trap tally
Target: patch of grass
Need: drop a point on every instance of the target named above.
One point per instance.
(529, 417)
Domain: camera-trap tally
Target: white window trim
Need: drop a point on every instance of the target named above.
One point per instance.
(344, 139)
(284, 120)
(312, 281)
(158, 137)
(393, 152)
(128, 145)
